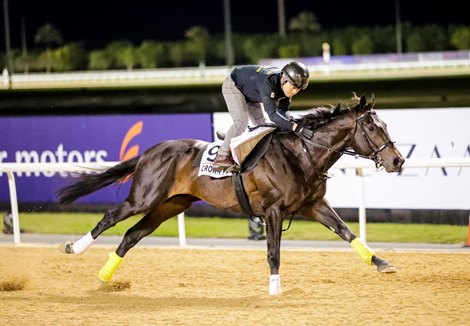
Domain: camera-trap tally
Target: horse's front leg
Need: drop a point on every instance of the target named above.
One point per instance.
(273, 233)
(141, 229)
(326, 215)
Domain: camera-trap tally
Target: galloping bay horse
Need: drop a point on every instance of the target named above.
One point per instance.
(290, 179)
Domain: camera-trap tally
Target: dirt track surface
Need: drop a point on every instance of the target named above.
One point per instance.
(165, 286)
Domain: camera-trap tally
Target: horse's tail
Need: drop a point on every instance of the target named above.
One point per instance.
(89, 183)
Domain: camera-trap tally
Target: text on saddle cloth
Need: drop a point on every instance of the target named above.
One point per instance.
(240, 147)
(207, 160)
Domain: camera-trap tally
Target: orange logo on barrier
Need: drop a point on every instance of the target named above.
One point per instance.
(127, 154)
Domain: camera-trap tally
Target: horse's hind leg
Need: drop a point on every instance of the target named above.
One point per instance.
(138, 201)
(325, 214)
(110, 219)
(141, 229)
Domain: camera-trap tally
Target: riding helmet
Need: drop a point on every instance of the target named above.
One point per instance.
(297, 74)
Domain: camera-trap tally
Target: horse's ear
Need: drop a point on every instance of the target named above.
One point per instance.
(362, 102)
(336, 109)
(372, 101)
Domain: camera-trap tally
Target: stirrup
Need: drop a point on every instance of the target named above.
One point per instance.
(223, 164)
(233, 169)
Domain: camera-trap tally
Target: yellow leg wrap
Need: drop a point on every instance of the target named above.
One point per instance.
(363, 250)
(107, 271)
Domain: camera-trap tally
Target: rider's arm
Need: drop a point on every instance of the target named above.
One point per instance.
(283, 108)
(274, 115)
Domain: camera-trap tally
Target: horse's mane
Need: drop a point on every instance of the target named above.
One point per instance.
(316, 117)
(320, 116)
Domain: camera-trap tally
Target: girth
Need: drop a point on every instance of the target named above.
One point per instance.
(249, 164)
(242, 197)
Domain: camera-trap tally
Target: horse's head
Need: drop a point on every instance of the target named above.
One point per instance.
(372, 140)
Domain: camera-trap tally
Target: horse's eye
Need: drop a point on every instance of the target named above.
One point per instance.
(371, 127)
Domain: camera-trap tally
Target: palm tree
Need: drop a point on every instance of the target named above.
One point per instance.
(48, 35)
(305, 22)
(150, 54)
(197, 42)
(123, 53)
(305, 25)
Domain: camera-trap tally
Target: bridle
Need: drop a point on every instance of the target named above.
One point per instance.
(374, 148)
(374, 154)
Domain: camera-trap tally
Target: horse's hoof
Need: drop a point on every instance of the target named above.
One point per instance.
(388, 269)
(66, 247)
(383, 266)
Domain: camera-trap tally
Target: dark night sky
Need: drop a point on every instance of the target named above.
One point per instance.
(97, 22)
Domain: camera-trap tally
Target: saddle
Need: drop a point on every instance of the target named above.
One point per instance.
(247, 143)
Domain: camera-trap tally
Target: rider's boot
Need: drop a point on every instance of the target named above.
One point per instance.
(224, 162)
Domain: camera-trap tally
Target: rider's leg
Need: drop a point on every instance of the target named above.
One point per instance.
(257, 114)
(238, 110)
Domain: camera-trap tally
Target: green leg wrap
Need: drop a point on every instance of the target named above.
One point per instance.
(363, 250)
(107, 271)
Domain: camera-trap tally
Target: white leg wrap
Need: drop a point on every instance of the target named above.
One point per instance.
(81, 245)
(274, 285)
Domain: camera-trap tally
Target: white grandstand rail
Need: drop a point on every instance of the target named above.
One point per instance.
(11, 168)
(195, 73)
(376, 66)
(200, 74)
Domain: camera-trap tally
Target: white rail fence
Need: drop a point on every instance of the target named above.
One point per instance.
(199, 74)
(11, 168)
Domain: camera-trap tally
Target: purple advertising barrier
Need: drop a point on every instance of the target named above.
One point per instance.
(86, 139)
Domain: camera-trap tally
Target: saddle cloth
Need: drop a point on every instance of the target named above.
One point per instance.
(240, 147)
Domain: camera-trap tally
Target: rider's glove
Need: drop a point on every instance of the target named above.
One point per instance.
(302, 131)
(289, 116)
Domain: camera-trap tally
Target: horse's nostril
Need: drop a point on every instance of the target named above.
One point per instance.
(398, 161)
